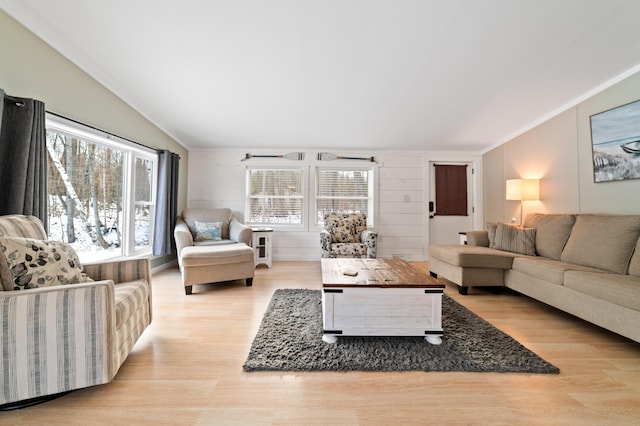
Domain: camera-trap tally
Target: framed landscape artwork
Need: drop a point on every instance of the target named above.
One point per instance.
(615, 140)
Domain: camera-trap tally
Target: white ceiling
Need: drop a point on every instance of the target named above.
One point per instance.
(343, 74)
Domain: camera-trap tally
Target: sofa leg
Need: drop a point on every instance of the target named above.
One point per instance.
(249, 282)
(433, 274)
(464, 290)
(495, 290)
(187, 289)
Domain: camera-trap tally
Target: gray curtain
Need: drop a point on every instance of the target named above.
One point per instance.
(167, 203)
(23, 158)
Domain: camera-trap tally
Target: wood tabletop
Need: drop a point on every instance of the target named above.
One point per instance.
(374, 273)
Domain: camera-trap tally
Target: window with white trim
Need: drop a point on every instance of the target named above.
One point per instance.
(101, 191)
(275, 196)
(347, 190)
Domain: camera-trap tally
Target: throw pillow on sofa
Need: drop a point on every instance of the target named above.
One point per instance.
(27, 263)
(491, 233)
(516, 239)
(341, 229)
(208, 231)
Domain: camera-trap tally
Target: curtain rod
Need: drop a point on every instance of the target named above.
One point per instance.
(103, 131)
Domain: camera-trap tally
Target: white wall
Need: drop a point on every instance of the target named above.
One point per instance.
(559, 152)
(30, 68)
(217, 179)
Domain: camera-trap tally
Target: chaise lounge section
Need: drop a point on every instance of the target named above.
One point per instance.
(585, 264)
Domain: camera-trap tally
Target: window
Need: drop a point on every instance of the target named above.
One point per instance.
(275, 196)
(101, 191)
(348, 190)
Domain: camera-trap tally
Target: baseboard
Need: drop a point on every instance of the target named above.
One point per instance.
(164, 266)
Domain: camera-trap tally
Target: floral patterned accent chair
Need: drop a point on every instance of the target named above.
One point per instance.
(346, 235)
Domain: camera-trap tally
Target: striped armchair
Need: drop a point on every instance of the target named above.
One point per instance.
(59, 338)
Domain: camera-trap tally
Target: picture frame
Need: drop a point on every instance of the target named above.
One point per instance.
(615, 143)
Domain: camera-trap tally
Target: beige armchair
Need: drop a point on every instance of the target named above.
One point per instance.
(213, 246)
(57, 338)
(346, 235)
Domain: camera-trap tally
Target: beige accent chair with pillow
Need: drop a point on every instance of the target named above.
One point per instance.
(57, 335)
(213, 246)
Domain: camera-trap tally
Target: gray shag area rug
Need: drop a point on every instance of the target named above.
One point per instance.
(290, 339)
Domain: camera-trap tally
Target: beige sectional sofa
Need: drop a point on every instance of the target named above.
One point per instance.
(587, 265)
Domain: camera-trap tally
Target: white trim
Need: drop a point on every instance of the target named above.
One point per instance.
(131, 152)
(294, 227)
(82, 131)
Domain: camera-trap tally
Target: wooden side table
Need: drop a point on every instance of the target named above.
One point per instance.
(262, 246)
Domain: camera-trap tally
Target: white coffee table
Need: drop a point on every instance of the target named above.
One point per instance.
(387, 297)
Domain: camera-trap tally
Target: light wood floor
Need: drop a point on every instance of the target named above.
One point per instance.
(187, 369)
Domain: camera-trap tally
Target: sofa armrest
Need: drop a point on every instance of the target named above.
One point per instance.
(46, 329)
(325, 243)
(120, 271)
(478, 238)
(182, 235)
(240, 232)
(370, 239)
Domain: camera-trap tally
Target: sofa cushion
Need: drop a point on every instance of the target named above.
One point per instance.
(359, 225)
(623, 290)
(603, 241)
(471, 256)
(552, 232)
(348, 250)
(515, 239)
(208, 231)
(341, 227)
(546, 269)
(214, 243)
(216, 255)
(29, 263)
(342, 234)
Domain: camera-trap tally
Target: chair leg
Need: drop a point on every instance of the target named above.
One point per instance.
(187, 289)
(249, 282)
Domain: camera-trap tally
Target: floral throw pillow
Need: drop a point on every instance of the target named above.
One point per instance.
(208, 231)
(37, 263)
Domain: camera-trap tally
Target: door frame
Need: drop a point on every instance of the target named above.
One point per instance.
(475, 161)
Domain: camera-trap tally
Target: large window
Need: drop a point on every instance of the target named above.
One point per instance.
(275, 196)
(347, 190)
(101, 191)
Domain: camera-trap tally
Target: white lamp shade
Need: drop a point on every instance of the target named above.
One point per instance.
(523, 189)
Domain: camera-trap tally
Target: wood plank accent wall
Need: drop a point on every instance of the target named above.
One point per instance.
(217, 179)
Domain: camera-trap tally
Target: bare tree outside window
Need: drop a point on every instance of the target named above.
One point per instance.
(88, 183)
